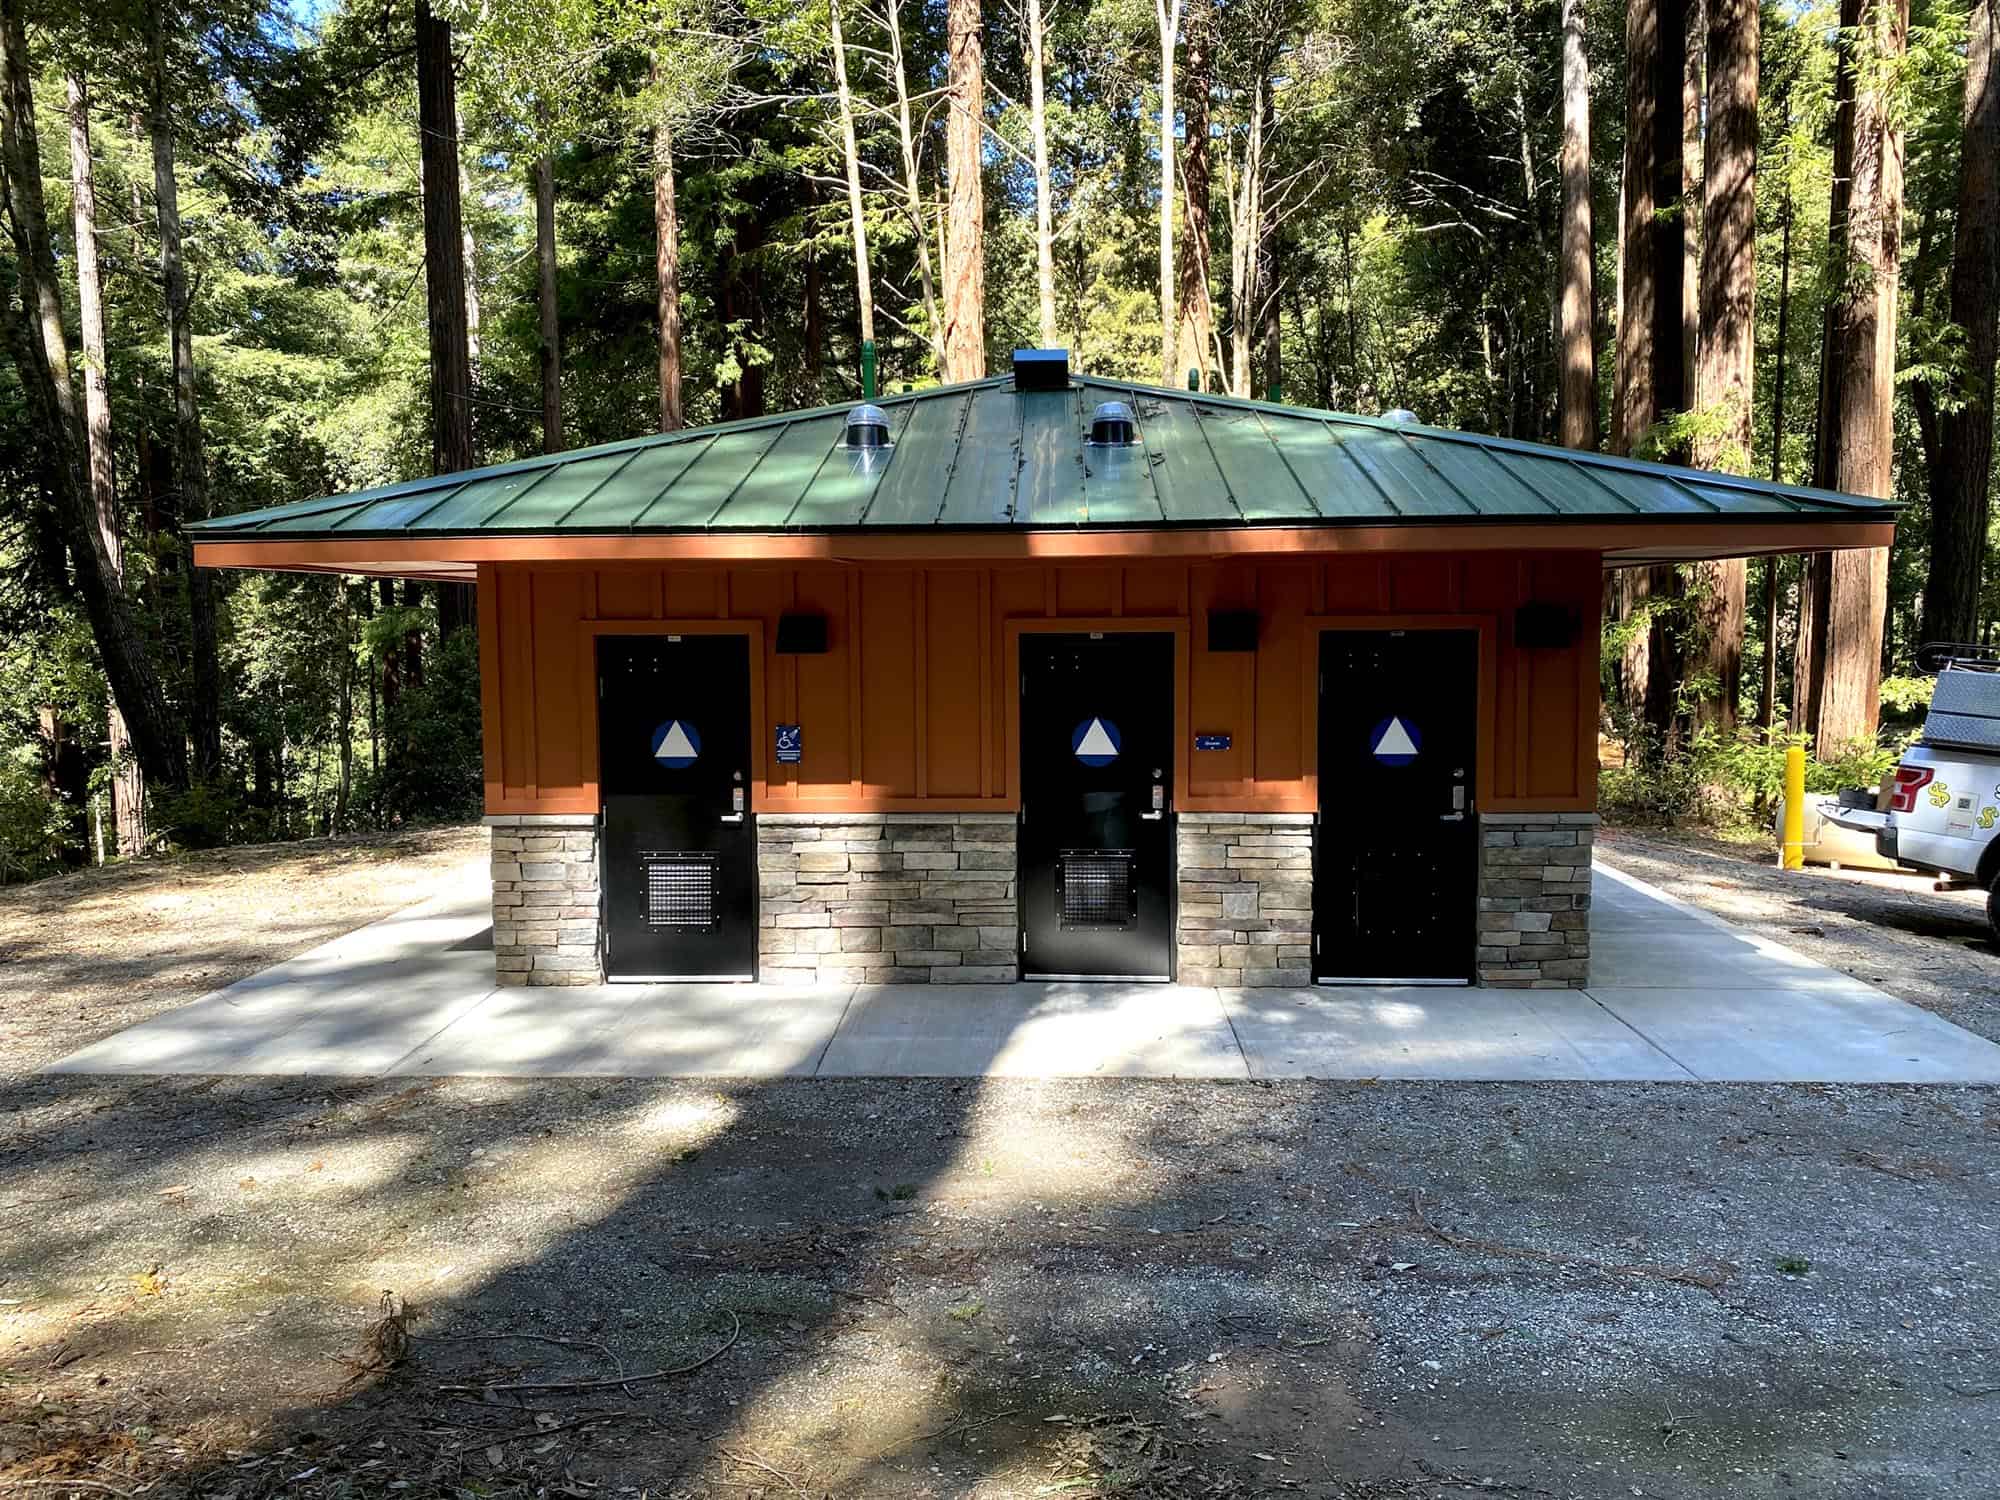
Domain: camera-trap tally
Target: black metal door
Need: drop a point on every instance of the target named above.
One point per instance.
(679, 851)
(1097, 775)
(1395, 877)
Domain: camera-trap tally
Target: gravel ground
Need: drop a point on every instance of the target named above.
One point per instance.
(84, 955)
(1931, 948)
(992, 1289)
(1001, 1289)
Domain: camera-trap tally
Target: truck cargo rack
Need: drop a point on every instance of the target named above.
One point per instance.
(1965, 706)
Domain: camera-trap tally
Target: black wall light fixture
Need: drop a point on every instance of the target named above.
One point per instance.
(1544, 626)
(1232, 630)
(801, 635)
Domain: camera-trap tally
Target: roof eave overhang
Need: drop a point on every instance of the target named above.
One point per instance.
(1620, 543)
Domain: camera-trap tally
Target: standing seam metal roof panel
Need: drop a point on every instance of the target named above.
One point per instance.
(911, 489)
(980, 454)
(979, 486)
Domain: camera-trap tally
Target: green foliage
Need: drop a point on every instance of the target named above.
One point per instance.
(434, 727)
(1731, 782)
(34, 827)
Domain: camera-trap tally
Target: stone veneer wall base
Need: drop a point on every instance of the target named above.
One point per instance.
(1534, 899)
(545, 901)
(886, 898)
(1246, 899)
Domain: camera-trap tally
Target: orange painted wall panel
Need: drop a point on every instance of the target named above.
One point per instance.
(907, 708)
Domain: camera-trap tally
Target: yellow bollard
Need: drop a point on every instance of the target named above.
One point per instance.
(1793, 855)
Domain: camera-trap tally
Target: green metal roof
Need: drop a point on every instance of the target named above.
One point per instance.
(983, 454)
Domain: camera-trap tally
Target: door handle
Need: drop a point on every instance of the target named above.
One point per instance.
(1457, 817)
(730, 818)
(1152, 817)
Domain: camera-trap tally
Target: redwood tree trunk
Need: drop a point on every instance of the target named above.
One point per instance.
(1846, 598)
(41, 353)
(1575, 316)
(1192, 297)
(965, 246)
(1651, 379)
(1961, 464)
(128, 784)
(1727, 360)
(444, 273)
(667, 271)
(204, 711)
(545, 286)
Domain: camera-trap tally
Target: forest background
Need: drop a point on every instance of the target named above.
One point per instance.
(266, 249)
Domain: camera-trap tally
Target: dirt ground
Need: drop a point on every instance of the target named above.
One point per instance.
(1931, 948)
(995, 1289)
(87, 954)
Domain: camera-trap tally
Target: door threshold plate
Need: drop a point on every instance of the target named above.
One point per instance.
(1377, 979)
(1098, 978)
(680, 978)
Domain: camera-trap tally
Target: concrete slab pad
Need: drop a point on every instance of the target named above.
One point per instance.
(638, 1031)
(1355, 1031)
(1830, 1035)
(1055, 1030)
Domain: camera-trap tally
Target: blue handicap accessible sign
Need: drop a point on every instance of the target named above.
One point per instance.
(789, 745)
(1096, 742)
(1395, 742)
(676, 745)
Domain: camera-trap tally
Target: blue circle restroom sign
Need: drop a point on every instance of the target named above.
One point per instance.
(676, 745)
(1096, 741)
(1395, 741)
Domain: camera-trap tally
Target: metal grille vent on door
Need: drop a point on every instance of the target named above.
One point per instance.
(680, 890)
(1095, 888)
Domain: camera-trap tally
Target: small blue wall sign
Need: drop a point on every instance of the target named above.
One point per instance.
(789, 745)
(1211, 742)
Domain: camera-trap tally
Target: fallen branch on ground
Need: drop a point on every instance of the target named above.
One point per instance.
(613, 1382)
(1710, 1281)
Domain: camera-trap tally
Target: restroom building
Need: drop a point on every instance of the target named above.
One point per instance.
(1044, 676)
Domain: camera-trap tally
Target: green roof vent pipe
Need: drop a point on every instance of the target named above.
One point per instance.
(868, 369)
(1194, 378)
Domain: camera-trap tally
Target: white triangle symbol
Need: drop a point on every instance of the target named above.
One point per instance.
(1395, 740)
(1096, 741)
(676, 744)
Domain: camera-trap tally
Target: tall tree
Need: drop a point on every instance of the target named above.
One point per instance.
(444, 274)
(128, 796)
(1576, 334)
(1196, 82)
(204, 709)
(666, 267)
(1845, 601)
(1651, 377)
(864, 293)
(549, 322)
(965, 244)
(41, 353)
(913, 198)
(1727, 353)
(1959, 434)
(1167, 15)
(1038, 128)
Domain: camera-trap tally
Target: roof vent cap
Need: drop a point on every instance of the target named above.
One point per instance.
(867, 427)
(1041, 369)
(1112, 425)
(1400, 414)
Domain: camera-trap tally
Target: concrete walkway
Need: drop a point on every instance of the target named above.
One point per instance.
(1676, 994)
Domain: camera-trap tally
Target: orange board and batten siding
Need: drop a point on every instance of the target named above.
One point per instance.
(913, 705)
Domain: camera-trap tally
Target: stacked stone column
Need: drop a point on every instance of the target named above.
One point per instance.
(1534, 899)
(1246, 901)
(545, 899)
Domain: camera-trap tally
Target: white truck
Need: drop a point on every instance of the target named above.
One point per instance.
(1938, 809)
